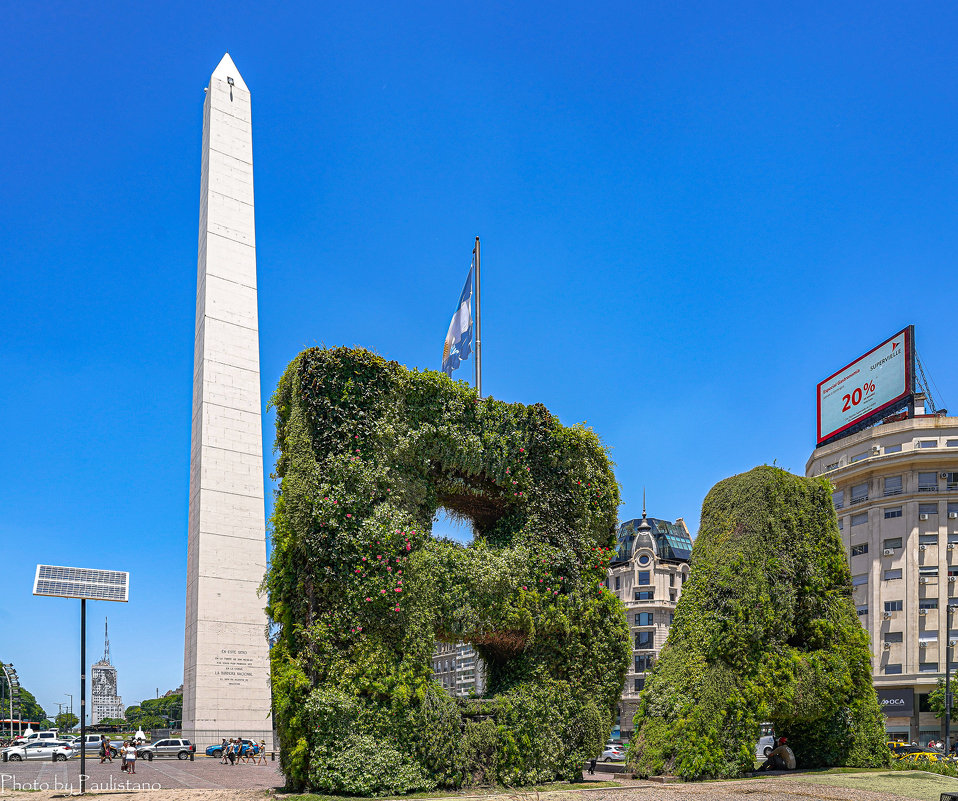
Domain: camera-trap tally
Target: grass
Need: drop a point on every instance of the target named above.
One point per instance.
(469, 792)
(916, 784)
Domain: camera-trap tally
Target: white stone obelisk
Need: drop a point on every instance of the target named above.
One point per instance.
(226, 690)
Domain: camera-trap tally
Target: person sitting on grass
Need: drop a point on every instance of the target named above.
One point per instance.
(782, 758)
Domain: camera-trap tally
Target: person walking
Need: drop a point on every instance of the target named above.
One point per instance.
(104, 749)
(224, 748)
(261, 753)
(123, 757)
(232, 752)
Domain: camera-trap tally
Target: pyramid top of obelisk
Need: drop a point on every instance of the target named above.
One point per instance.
(227, 69)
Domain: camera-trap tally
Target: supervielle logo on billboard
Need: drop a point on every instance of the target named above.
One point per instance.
(867, 386)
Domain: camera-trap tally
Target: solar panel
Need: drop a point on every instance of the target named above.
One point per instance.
(81, 582)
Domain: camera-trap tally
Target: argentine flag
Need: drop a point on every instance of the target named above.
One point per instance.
(459, 339)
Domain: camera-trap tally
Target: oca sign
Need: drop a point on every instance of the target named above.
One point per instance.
(868, 386)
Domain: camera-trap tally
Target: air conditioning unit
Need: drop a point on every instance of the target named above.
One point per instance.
(944, 475)
(875, 450)
(953, 515)
(923, 516)
(951, 546)
(922, 612)
(952, 578)
(953, 643)
(887, 646)
(923, 580)
(886, 616)
(888, 552)
(923, 547)
(922, 644)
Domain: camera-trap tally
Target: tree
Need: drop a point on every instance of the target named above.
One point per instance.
(936, 701)
(151, 722)
(117, 723)
(66, 721)
(29, 708)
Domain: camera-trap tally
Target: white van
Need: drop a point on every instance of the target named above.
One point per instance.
(766, 742)
(50, 734)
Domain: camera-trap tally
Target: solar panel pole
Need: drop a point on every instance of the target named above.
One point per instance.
(82, 695)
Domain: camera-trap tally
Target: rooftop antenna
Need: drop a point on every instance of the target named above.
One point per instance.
(106, 637)
(643, 503)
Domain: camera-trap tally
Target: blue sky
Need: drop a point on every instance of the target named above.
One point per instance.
(690, 214)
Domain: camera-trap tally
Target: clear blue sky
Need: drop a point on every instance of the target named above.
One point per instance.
(690, 214)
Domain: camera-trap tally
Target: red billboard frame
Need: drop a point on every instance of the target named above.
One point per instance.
(909, 345)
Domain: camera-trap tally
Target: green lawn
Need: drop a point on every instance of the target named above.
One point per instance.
(514, 792)
(917, 784)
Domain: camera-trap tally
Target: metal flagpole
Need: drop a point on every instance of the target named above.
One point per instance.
(478, 326)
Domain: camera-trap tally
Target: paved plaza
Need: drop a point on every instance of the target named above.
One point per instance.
(166, 774)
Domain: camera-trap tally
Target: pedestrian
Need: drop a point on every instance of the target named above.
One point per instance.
(232, 752)
(261, 754)
(592, 765)
(104, 749)
(131, 759)
(123, 757)
(224, 748)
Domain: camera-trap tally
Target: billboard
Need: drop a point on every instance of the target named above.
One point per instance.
(869, 386)
(898, 702)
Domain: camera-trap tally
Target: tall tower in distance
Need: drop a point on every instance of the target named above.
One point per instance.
(226, 689)
(106, 702)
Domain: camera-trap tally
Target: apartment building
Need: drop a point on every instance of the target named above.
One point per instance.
(650, 565)
(459, 669)
(896, 496)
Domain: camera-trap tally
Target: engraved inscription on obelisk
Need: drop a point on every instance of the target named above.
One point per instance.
(226, 690)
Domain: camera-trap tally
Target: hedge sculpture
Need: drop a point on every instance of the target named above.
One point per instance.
(765, 630)
(368, 452)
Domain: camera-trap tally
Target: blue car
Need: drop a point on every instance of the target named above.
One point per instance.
(249, 748)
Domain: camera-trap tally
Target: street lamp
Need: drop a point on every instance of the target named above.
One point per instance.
(85, 584)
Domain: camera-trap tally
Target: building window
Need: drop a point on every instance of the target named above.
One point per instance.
(927, 539)
(639, 685)
(893, 449)
(671, 618)
(891, 574)
(927, 667)
(859, 456)
(893, 485)
(894, 636)
(891, 670)
(860, 493)
(893, 606)
(928, 572)
(645, 577)
(834, 465)
(672, 595)
(928, 636)
(923, 703)
(841, 526)
(671, 579)
(951, 481)
(927, 603)
(928, 443)
(858, 550)
(838, 498)
(953, 511)
(859, 580)
(951, 443)
(643, 639)
(862, 610)
(892, 511)
(892, 544)
(645, 595)
(643, 663)
(644, 559)
(860, 518)
(928, 508)
(617, 584)
(928, 482)
(643, 619)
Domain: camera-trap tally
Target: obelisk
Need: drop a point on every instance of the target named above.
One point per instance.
(226, 690)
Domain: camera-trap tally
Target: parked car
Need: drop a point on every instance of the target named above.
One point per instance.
(766, 741)
(916, 753)
(249, 747)
(92, 745)
(616, 752)
(49, 735)
(179, 748)
(40, 749)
